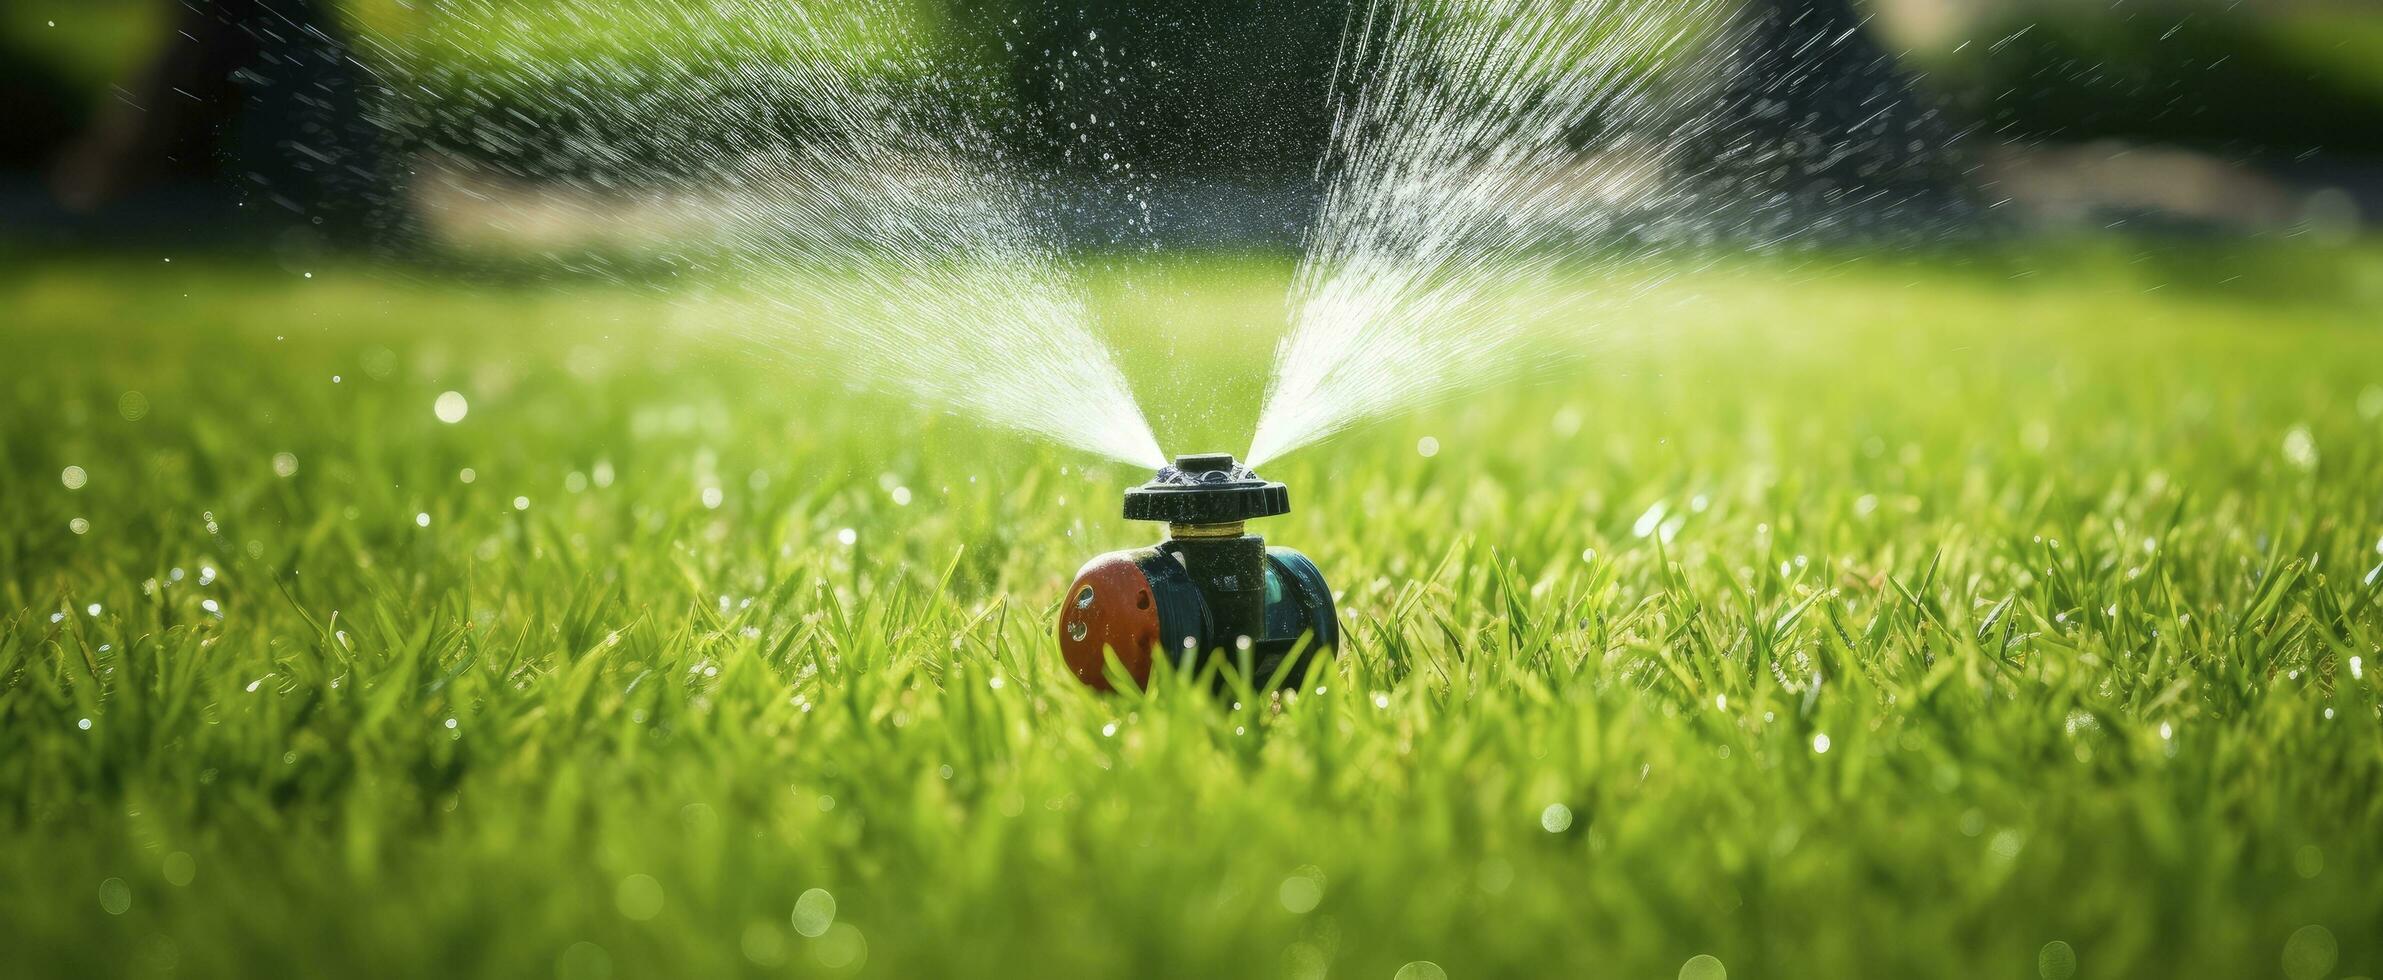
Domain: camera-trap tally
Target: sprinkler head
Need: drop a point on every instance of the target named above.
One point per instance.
(1210, 592)
(1206, 489)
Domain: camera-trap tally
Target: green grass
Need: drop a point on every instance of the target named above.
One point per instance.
(2063, 550)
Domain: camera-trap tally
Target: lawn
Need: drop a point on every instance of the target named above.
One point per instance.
(2003, 612)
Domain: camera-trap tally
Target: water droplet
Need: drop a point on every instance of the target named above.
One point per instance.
(1556, 819)
(847, 536)
(2300, 448)
(842, 947)
(422, 519)
(583, 961)
(1820, 743)
(2056, 961)
(763, 944)
(2308, 861)
(74, 477)
(712, 498)
(1703, 966)
(2310, 953)
(285, 465)
(115, 897)
(521, 503)
(1421, 970)
(451, 407)
(179, 868)
(814, 912)
(1302, 891)
(1427, 447)
(83, 724)
(639, 897)
(79, 526)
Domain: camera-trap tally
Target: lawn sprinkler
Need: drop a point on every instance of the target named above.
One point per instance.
(1209, 590)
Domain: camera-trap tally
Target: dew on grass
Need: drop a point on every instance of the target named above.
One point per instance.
(1109, 730)
(2056, 961)
(210, 605)
(1556, 818)
(1820, 743)
(451, 407)
(639, 897)
(575, 482)
(2166, 731)
(74, 477)
(521, 503)
(1420, 970)
(83, 724)
(1427, 447)
(422, 519)
(115, 897)
(450, 724)
(1703, 966)
(712, 498)
(2357, 668)
(285, 465)
(1302, 891)
(92, 609)
(2310, 953)
(847, 537)
(79, 526)
(602, 474)
(1721, 702)
(901, 496)
(468, 475)
(132, 406)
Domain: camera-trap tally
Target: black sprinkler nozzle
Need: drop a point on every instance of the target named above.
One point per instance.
(1207, 488)
(1209, 591)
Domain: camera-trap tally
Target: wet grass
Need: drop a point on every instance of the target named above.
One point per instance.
(1941, 616)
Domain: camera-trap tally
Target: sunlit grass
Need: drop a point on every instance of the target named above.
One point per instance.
(2062, 554)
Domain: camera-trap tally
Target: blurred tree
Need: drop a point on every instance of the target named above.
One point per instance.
(259, 100)
(1222, 102)
(1819, 130)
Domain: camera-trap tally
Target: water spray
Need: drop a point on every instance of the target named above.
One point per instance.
(1210, 590)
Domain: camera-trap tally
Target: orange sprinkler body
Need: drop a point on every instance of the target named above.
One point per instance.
(1109, 608)
(1208, 591)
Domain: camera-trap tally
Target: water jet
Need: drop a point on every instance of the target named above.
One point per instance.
(1210, 591)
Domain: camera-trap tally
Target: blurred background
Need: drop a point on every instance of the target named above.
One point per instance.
(255, 120)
